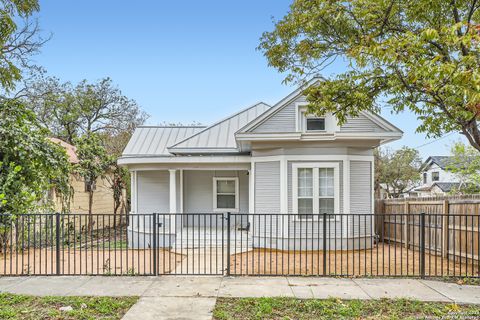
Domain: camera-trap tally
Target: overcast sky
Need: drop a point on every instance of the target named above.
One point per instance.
(182, 61)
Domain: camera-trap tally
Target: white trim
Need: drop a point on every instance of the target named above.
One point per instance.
(346, 196)
(315, 165)
(283, 186)
(181, 190)
(251, 190)
(325, 157)
(173, 197)
(237, 194)
(185, 159)
(328, 135)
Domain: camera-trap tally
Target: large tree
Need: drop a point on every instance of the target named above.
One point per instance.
(30, 164)
(20, 38)
(397, 170)
(71, 111)
(420, 55)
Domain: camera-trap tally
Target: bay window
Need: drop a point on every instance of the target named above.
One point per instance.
(315, 189)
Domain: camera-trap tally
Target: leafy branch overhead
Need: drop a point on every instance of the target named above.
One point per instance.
(417, 55)
(20, 38)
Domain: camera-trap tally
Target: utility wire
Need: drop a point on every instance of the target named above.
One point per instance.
(438, 139)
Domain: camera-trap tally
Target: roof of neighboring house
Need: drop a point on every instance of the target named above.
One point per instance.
(441, 161)
(71, 150)
(445, 186)
(154, 140)
(220, 137)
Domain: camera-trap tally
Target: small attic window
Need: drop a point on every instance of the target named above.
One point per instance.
(315, 124)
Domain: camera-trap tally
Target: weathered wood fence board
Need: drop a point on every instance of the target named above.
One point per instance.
(452, 224)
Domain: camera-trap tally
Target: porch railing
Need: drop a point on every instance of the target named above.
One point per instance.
(378, 245)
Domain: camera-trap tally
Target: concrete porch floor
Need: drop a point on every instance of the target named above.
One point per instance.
(193, 297)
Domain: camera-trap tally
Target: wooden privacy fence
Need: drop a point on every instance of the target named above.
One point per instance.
(451, 225)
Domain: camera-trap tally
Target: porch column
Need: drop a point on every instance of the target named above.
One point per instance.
(173, 198)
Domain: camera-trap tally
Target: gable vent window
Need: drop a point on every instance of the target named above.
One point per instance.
(315, 124)
(435, 176)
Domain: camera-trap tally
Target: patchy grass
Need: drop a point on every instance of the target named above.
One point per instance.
(24, 307)
(290, 308)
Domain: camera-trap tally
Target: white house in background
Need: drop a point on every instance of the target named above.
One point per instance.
(263, 159)
(436, 179)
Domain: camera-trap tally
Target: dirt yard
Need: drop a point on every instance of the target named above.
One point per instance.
(384, 260)
(87, 262)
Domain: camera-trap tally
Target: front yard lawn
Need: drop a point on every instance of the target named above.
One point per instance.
(290, 308)
(14, 306)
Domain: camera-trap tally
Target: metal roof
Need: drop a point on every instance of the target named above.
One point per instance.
(153, 141)
(221, 135)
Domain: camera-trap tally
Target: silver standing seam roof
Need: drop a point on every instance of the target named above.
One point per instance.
(165, 141)
(220, 136)
(153, 141)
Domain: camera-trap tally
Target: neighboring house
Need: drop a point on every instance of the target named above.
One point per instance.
(262, 159)
(436, 178)
(102, 197)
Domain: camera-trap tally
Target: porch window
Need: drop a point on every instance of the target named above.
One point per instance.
(316, 190)
(225, 193)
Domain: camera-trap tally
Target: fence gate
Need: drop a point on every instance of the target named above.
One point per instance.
(197, 247)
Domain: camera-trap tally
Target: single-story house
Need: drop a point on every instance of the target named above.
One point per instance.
(103, 202)
(263, 159)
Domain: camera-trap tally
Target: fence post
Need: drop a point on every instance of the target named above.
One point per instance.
(445, 229)
(228, 243)
(57, 241)
(324, 243)
(154, 244)
(422, 245)
(406, 210)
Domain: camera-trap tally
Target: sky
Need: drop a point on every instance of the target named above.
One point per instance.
(183, 61)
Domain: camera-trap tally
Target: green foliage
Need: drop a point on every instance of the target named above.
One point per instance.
(398, 170)
(291, 308)
(17, 39)
(30, 164)
(71, 111)
(465, 165)
(32, 308)
(420, 55)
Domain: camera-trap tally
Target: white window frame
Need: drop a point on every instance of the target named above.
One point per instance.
(237, 195)
(306, 117)
(336, 185)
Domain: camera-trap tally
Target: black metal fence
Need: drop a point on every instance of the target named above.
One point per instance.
(346, 245)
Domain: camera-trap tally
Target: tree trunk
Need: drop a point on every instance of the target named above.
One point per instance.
(90, 207)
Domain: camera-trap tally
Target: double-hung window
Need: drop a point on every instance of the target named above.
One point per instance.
(225, 194)
(315, 190)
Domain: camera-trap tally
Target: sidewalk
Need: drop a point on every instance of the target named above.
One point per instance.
(174, 297)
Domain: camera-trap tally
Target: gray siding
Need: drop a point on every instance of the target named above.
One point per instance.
(282, 121)
(361, 124)
(198, 189)
(153, 191)
(360, 196)
(267, 187)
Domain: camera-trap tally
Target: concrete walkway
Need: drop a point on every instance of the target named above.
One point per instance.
(176, 297)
